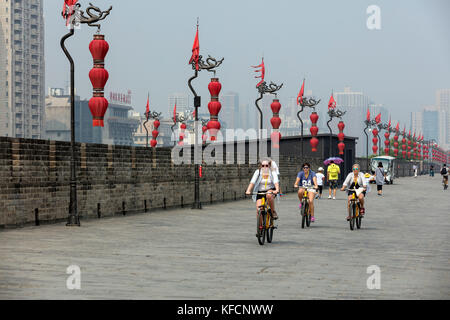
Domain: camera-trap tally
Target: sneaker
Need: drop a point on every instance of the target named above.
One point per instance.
(334, 198)
(329, 197)
(275, 215)
(313, 219)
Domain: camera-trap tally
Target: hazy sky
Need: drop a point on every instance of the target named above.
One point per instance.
(326, 42)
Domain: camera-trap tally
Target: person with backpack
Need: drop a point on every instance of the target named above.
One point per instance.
(444, 174)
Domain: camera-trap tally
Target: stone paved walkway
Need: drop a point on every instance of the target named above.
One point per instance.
(214, 254)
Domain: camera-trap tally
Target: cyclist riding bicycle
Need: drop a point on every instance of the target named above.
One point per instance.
(356, 180)
(444, 173)
(308, 180)
(265, 179)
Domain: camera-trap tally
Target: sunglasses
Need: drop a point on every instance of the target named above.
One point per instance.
(265, 166)
(355, 169)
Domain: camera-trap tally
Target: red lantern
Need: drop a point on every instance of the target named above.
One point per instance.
(275, 137)
(98, 106)
(153, 143)
(204, 137)
(156, 124)
(214, 108)
(99, 48)
(341, 137)
(98, 76)
(314, 130)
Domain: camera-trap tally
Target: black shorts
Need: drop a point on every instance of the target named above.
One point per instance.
(333, 184)
(320, 189)
(379, 187)
(352, 192)
(260, 196)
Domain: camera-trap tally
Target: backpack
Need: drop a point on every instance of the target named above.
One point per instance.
(444, 171)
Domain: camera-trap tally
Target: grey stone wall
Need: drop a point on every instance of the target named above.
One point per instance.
(112, 180)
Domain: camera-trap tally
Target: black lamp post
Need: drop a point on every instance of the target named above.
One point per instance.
(75, 16)
(210, 65)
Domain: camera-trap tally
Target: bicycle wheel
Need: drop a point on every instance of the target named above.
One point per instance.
(269, 227)
(308, 216)
(260, 227)
(351, 213)
(304, 213)
(359, 218)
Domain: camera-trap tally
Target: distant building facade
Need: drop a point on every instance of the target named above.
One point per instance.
(22, 69)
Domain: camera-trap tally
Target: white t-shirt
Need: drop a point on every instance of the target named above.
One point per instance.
(265, 184)
(320, 177)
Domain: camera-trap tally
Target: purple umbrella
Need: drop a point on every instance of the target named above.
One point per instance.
(336, 160)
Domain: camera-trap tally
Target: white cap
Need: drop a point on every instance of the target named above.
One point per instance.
(320, 169)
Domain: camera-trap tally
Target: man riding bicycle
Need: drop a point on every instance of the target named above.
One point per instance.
(265, 179)
(355, 180)
(308, 179)
(444, 173)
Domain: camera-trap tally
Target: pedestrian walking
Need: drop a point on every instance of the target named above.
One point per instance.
(333, 172)
(380, 176)
(431, 171)
(320, 177)
(415, 171)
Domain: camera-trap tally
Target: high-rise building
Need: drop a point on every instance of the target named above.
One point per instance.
(443, 105)
(430, 123)
(22, 69)
(355, 104)
(230, 116)
(182, 101)
(417, 121)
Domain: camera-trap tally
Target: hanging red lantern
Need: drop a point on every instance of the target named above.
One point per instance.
(214, 108)
(375, 141)
(314, 130)
(341, 137)
(275, 137)
(98, 106)
(387, 143)
(99, 48)
(98, 76)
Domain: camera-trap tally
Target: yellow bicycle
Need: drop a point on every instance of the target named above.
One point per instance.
(264, 223)
(354, 211)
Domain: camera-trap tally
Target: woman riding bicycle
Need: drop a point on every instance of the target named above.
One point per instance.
(308, 180)
(356, 180)
(265, 179)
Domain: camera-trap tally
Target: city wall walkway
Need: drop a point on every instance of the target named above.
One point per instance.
(214, 254)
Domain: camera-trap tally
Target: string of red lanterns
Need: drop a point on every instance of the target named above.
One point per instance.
(396, 140)
(182, 134)
(155, 133)
(341, 137)
(275, 137)
(387, 141)
(375, 141)
(214, 108)
(314, 117)
(98, 76)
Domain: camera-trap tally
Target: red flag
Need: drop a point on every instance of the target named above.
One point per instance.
(68, 9)
(398, 126)
(368, 114)
(195, 51)
(332, 103)
(263, 72)
(389, 125)
(301, 93)
(175, 113)
(147, 110)
(378, 118)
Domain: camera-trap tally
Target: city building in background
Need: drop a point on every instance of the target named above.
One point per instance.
(443, 106)
(140, 136)
(22, 69)
(119, 129)
(230, 116)
(355, 104)
(182, 101)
